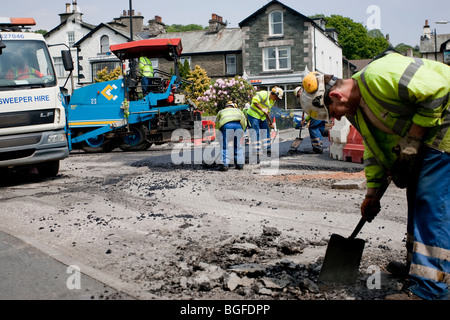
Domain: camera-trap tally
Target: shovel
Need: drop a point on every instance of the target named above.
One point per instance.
(297, 142)
(343, 255)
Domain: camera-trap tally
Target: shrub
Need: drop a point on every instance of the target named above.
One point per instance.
(218, 94)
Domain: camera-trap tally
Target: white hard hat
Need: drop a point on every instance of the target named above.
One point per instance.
(278, 92)
(297, 90)
(313, 96)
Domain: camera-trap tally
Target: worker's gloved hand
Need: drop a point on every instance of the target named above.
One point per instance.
(371, 207)
(408, 148)
(407, 151)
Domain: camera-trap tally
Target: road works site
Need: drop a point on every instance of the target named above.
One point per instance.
(154, 230)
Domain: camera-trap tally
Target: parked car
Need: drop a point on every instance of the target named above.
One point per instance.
(286, 119)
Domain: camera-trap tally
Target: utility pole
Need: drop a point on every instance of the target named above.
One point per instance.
(131, 20)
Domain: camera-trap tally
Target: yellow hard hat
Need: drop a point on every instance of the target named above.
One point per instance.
(311, 83)
(313, 96)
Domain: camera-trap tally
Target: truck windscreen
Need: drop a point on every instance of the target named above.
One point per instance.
(26, 63)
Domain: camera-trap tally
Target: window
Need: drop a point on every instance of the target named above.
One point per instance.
(59, 67)
(278, 58)
(184, 59)
(231, 64)
(104, 44)
(99, 66)
(71, 38)
(276, 23)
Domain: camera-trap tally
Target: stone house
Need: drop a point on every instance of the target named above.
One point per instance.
(280, 45)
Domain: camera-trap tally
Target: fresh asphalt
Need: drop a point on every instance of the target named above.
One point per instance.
(30, 271)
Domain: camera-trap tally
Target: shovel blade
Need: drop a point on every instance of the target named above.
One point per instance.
(297, 142)
(342, 260)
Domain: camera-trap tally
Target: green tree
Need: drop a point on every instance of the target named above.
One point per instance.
(184, 68)
(403, 48)
(200, 82)
(356, 41)
(180, 28)
(41, 31)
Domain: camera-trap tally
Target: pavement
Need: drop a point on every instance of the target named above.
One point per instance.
(30, 271)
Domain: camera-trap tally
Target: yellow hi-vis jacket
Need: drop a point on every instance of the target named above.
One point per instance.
(400, 91)
(146, 67)
(230, 115)
(263, 99)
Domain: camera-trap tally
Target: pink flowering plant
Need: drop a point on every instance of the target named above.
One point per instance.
(219, 93)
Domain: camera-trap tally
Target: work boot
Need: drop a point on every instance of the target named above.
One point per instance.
(407, 295)
(318, 150)
(398, 269)
(239, 166)
(222, 167)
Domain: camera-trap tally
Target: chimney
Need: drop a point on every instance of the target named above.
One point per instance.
(71, 14)
(426, 31)
(409, 52)
(156, 27)
(216, 23)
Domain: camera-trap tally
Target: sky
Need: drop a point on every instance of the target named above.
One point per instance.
(403, 20)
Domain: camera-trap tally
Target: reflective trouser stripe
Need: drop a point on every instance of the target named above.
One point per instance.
(429, 273)
(433, 253)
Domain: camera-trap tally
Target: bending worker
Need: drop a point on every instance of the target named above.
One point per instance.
(232, 123)
(259, 115)
(400, 107)
(316, 128)
(146, 71)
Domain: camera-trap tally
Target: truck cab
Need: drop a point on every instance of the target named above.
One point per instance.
(32, 111)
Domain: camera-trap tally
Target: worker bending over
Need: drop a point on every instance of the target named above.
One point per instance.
(232, 123)
(400, 107)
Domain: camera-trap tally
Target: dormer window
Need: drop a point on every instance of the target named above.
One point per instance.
(276, 23)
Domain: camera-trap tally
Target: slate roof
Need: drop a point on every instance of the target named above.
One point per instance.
(201, 42)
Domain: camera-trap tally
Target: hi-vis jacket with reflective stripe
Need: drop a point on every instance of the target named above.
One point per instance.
(230, 115)
(263, 99)
(401, 91)
(146, 67)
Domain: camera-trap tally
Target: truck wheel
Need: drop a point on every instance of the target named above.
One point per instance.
(136, 140)
(99, 144)
(48, 169)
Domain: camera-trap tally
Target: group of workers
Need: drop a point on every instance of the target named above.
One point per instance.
(400, 106)
(233, 122)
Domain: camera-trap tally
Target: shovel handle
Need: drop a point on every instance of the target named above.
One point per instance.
(378, 196)
(358, 228)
